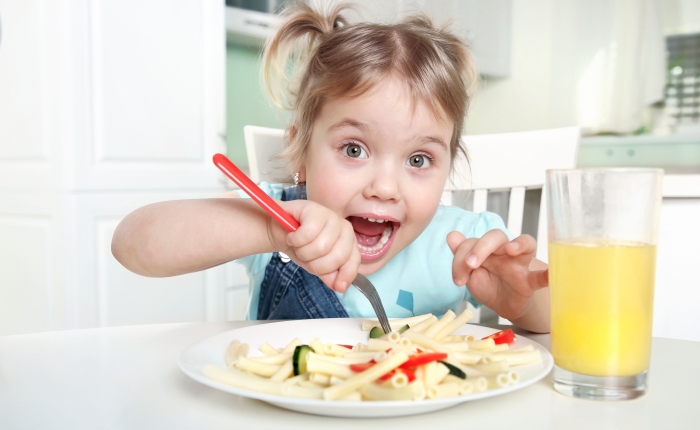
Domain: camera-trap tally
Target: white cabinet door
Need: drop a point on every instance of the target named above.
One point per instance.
(111, 94)
(105, 105)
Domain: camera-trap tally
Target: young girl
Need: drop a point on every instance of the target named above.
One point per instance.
(378, 111)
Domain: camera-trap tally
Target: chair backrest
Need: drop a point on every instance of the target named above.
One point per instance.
(511, 162)
(514, 162)
(261, 144)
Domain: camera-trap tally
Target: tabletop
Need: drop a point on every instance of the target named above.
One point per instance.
(128, 378)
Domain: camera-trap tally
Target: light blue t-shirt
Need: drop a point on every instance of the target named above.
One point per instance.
(418, 280)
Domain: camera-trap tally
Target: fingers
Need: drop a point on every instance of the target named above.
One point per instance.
(538, 279)
(316, 239)
(470, 253)
(460, 247)
(490, 243)
(523, 244)
(340, 263)
(324, 244)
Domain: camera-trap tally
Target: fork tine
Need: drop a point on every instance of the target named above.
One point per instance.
(367, 289)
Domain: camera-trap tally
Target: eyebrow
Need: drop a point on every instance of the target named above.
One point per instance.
(348, 122)
(366, 128)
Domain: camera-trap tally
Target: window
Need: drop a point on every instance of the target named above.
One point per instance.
(683, 82)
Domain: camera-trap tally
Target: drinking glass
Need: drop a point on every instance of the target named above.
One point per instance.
(603, 231)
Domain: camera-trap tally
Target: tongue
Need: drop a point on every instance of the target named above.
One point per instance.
(367, 232)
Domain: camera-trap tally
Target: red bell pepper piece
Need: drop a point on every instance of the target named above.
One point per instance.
(361, 367)
(410, 374)
(423, 358)
(505, 336)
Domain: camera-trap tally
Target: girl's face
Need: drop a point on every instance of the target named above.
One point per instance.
(380, 164)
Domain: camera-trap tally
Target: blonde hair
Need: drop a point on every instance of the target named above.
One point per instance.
(316, 55)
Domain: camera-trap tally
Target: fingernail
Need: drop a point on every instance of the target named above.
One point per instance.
(471, 261)
(342, 286)
(515, 245)
(459, 282)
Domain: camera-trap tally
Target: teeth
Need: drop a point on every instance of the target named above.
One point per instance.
(382, 241)
(375, 220)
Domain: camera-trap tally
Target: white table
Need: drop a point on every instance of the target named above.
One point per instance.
(127, 378)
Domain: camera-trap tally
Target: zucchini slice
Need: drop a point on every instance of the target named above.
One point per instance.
(455, 370)
(300, 358)
(376, 332)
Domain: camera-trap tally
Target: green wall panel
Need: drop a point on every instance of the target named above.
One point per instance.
(247, 103)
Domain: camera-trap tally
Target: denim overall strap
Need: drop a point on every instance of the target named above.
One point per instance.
(290, 292)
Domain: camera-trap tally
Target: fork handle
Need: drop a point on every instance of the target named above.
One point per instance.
(266, 202)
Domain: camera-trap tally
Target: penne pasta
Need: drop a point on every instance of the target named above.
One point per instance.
(302, 392)
(449, 389)
(319, 365)
(498, 381)
(418, 389)
(466, 387)
(486, 368)
(279, 358)
(453, 325)
(442, 322)
(481, 384)
(284, 372)
(231, 353)
(291, 345)
(471, 357)
(513, 377)
(242, 380)
(320, 378)
(366, 377)
(484, 344)
(316, 345)
(352, 397)
(422, 326)
(334, 349)
(426, 342)
(397, 380)
(371, 371)
(396, 324)
(515, 359)
(267, 349)
(375, 392)
(457, 346)
(255, 367)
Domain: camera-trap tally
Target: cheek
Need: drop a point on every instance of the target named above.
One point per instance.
(326, 186)
(424, 204)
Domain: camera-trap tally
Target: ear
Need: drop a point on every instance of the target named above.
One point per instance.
(293, 130)
(302, 173)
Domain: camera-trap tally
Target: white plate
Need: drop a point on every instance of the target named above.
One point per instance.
(344, 331)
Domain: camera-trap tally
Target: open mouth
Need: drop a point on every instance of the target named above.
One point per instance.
(374, 236)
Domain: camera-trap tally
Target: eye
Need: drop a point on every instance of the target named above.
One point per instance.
(354, 150)
(419, 161)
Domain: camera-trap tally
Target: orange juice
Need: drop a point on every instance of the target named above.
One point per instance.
(602, 297)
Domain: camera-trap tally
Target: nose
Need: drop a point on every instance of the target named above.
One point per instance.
(384, 183)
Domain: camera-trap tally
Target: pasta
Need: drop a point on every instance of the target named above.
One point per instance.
(427, 361)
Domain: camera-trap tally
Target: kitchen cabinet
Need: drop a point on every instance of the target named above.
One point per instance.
(484, 24)
(105, 106)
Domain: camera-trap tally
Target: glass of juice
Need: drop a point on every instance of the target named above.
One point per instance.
(603, 231)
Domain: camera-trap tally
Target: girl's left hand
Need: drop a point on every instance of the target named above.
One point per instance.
(497, 271)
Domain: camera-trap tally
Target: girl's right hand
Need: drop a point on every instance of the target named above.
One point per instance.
(324, 244)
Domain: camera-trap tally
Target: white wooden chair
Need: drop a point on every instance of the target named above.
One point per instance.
(261, 143)
(512, 162)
